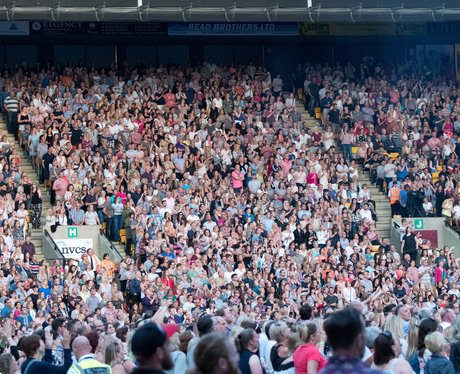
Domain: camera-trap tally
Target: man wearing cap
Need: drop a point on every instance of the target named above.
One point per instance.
(150, 346)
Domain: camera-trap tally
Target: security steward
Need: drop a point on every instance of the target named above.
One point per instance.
(86, 363)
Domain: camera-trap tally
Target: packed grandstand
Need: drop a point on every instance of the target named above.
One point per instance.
(237, 218)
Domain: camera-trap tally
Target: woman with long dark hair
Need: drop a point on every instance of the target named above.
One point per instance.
(386, 355)
(247, 343)
(35, 206)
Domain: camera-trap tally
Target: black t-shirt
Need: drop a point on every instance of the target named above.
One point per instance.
(334, 116)
(409, 242)
(314, 89)
(332, 299)
(76, 136)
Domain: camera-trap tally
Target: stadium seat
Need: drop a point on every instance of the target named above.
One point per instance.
(300, 93)
(122, 236)
(394, 155)
(375, 248)
(318, 113)
(27, 220)
(435, 176)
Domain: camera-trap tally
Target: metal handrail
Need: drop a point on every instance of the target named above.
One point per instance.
(113, 249)
(57, 252)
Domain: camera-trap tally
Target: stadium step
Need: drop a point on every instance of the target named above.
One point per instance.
(382, 207)
(27, 168)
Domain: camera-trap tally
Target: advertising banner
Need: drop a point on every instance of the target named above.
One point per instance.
(15, 28)
(362, 29)
(232, 29)
(97, 28)
(74, 248)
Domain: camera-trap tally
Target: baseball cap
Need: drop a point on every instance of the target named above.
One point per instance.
(149, 337)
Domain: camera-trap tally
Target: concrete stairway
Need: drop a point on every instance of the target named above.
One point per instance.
(27, 168)
(381, 201)
(382, 205)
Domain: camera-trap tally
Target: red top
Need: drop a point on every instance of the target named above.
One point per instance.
(305, 353)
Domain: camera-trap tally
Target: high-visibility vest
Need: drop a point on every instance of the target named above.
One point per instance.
(394, 195)
(90, 366)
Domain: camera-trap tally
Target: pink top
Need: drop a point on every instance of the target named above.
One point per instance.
(236, 177)
(305, 353)
(438, 274)
(286, 166)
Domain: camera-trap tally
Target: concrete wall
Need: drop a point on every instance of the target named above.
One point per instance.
(81, 233)
(427, 226)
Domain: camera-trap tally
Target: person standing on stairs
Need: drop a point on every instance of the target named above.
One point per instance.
(393, 194)
(346, 139)
(47, 160)
(334, 120)
(326, 103)
(35, 206)
(11, 105)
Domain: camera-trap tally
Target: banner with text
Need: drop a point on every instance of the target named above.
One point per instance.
(362, 29)
(74, 248)
(15, 28)
(97, 28)
(232, 29)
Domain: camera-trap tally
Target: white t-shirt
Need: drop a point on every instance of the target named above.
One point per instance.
(91, 218)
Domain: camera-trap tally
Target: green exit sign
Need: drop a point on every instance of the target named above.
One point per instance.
(72, 232)
(418, 224)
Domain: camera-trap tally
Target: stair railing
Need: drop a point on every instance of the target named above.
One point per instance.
(51, 251)
(106, 246)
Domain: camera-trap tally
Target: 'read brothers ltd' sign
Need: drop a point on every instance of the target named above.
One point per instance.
(74, 248)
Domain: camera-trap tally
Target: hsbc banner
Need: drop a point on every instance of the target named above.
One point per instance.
(74, 248)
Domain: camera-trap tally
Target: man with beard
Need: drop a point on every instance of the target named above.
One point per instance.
(150, 345)
(345, 335)
(216, 353)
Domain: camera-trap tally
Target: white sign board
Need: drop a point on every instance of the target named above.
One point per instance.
(20, 28)
(74, 248)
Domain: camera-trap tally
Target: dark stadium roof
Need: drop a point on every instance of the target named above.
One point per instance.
(232, 10)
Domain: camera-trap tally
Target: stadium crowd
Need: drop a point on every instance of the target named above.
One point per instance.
(245, 229)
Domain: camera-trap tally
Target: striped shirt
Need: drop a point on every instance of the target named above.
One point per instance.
(11, 104)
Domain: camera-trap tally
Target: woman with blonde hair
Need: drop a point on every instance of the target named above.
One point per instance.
(412, 338)
(274, 357)
(307, 357)
(395, 325)
(114, 354)
(437, 344)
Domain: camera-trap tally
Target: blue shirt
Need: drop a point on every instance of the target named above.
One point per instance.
(6, 311)
(46, 291)
(403, 197)
(25, 320)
